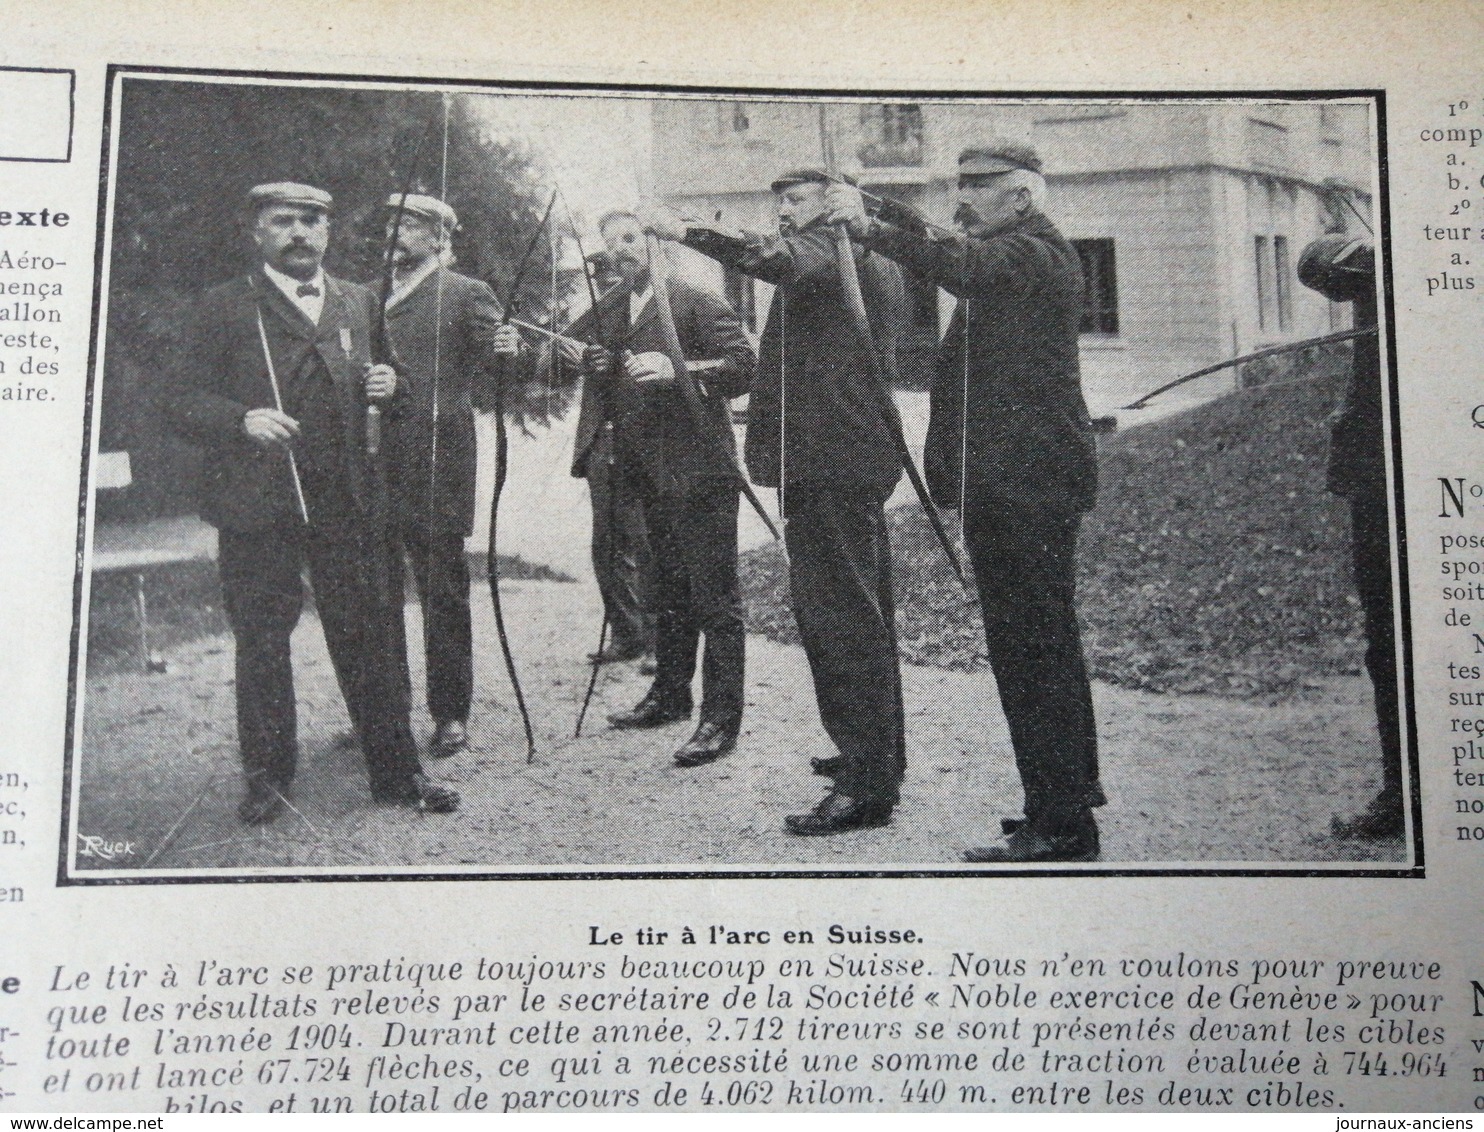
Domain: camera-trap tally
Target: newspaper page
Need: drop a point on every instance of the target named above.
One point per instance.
(794, 559)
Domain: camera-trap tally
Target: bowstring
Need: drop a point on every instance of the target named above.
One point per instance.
(551, 313)
(438, 273)
(963, 449)
(782, 405)
(609, 551)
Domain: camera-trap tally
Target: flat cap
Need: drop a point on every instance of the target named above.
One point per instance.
(998, 156)
(1341, 268)
(290, 193)
(424, 208)
(808, 176)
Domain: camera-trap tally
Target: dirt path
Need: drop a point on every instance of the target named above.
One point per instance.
(1190, 779)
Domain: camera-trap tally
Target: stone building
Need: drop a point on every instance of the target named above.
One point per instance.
(1189, 214)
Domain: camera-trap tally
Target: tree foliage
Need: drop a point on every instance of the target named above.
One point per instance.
(188, 152)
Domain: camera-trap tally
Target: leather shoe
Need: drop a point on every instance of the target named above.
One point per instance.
(262, 803)
(838, 813)
(710, 742)
(1382, 820)
(1028, 845)
(419, 791)
(654, 710)
(450, 737)
(615, 654)
(828, 767)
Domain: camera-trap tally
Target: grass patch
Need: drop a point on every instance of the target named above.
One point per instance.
(184, 605)
(1215, 561)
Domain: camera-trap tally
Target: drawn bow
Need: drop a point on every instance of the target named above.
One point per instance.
(851, 285)
(659, 278)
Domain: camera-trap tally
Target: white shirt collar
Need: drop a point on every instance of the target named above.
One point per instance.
(406, 284)
(311, 305)
(638, 300)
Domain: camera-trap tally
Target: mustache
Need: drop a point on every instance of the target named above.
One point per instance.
(964, 215)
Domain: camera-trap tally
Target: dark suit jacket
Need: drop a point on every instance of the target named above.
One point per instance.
(442, 330)
(218, 373)
(1357, 446)
(1030, 441)
(815, 381)
(654, 428)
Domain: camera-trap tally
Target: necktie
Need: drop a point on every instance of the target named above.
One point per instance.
(307, 289)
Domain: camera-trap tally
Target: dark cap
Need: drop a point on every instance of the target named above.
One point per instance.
(807, 177)
(1341, 268)
(290, 193)
(998, 157)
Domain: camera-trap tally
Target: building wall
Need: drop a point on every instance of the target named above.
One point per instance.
(1183, 189)
(1166, 253)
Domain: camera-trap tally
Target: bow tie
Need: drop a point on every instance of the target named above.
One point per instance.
(307, 289)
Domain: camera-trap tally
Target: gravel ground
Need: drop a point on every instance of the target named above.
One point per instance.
(1192, 779)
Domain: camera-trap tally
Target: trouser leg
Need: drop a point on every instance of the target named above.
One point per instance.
(840, 562)
(620, 549)
(1025, 565)
(365, 629)
(263, 594)
(709, 550)
(1370, 546)
(675, 630)
(442, 574)
(887, 602)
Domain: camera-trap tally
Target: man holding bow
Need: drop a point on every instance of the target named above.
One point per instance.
(448, 336)
(272, 381)
(679, 462)
(818, 430)
(1009, 441)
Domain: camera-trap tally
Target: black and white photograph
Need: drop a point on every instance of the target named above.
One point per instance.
(494, 481)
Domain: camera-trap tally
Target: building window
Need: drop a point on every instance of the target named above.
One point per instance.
(1099, 286)
(1263, 264)
(741, 296)
(732, 119)
(1282, 288)
(891, 135)
(1267, 144)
